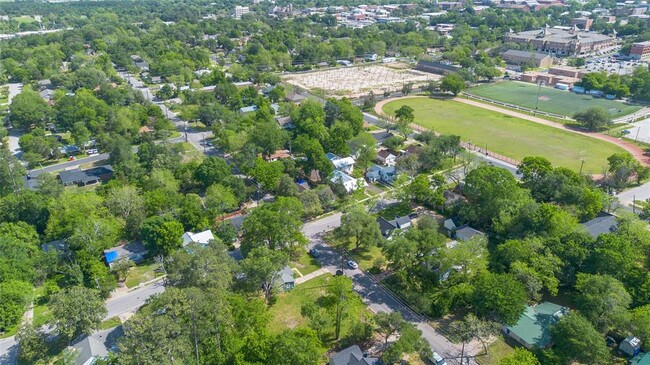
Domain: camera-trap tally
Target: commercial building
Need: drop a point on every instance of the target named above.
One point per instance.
(241, 10)
(640, 50)
(561, 42)
(436, 67)
(583, 23)
(515, 57)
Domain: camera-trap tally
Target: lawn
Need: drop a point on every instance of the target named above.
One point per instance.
(497, 350)
(509, 136)
(551, 100)
(142, 273)
(306, 264)
(42, 313)
(110, 323)
(285, 313)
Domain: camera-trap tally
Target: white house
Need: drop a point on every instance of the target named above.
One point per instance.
(202, 238)
(384, 174)
(345, 164)
(385, 157)
(349, 182)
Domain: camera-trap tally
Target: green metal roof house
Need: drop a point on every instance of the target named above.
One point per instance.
(532, 329)
(641, 359)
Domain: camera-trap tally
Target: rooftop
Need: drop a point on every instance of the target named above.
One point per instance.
(603, 223)
(466, 233)
(352, 356)
(525, 54)
(534, 324)
(202, 238)
(84, 177)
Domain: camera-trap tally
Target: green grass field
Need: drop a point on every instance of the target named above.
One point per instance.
(551, 100)
(509, 136)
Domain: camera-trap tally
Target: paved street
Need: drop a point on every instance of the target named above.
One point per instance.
(193, 137)
(377, 299)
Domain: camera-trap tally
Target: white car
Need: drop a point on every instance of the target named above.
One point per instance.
(353, 265)
(437, 359)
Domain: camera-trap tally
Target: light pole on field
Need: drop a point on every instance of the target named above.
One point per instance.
(539, 90)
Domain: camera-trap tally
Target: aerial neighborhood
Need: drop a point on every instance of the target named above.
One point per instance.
(310, 183)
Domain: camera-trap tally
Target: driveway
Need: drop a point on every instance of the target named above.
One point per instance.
(378, 299)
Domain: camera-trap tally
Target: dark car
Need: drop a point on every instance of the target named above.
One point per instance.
(314, 253)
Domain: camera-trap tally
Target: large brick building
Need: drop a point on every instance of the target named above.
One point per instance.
(515, 57)
(562, 42)
(640, 50)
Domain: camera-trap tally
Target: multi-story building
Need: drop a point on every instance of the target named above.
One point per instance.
(583, 23)
(561, 42)
(241, 10)
(514, 57)
(640, 50)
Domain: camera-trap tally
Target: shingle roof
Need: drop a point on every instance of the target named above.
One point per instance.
(466, 233)
(603, 223)
(352, 356)
(76, 176)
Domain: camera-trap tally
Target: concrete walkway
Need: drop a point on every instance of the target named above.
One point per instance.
(312, 275)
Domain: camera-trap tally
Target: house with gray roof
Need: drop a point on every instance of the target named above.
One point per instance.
(95, 347)
(383, 174)
(603, 223)
(86, 177)
(466, 233)
(352, 356)
(387, 227)
(285, 279)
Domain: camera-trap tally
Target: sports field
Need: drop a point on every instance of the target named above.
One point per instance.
(550, 100)
(509, 136)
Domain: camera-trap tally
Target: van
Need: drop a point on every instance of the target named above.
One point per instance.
(436, 359)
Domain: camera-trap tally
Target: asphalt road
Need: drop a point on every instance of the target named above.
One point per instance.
(126, 303)
(377, 299)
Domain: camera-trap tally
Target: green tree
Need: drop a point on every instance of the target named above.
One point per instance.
(453, 83)
(220, 199)
(389, 324)
(296, 347)
(162, 234)
(209, 268)
(603, 300)
(405, 116)
(32, 345)
(359, 226)
(276, 225)
(11, 173)
(261, 268)
(521, 356)
(127, 203)
(269, 137)
(594, 118)
(622, 167)
(364, 147)
(14, 297)
(471, 327)
(76, 311)
(212, 170)
(499, 297)
(268, 174)
(28, 109)
(338, 297)
(576, 339)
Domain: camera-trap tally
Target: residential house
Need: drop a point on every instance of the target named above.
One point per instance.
(533, 328)
(86, 177)
(279, 155)
(641, 359)
(345, 164)
(69, 150)
(380, 137)
(603, 223)
(383, 174)
(285, 122)
(466, 233)
(201, 238)
(60, 246)
(450, 226)
(134, 251)
(350, 183)
(285, 279)
(248, 109)
(352, 356)
(95, 347)
(410, 150)
(387, 227)
(630, 346)
(295, 98)
(385, 157)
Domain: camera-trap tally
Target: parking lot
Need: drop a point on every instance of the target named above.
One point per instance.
(612, 65)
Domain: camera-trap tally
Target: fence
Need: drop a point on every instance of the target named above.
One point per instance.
(516, 107)
(382, 122)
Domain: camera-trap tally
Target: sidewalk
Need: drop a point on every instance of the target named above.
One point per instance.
(312, 275)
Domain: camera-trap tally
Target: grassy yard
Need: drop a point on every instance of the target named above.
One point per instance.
(496, 351)
(110, 323)
(509, 136)
(306, 264)
(190, 152)
(285, 313)
(397, 210)
(551, 100)
(42, 313)
(142, 273)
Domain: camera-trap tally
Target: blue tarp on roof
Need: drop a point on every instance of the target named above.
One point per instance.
(111, 256)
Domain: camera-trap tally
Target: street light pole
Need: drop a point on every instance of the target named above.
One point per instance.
(582, 163)
(539, 90)
(637, 134)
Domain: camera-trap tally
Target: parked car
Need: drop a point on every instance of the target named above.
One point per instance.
(436, 359)
(314, 253)
(353, 265)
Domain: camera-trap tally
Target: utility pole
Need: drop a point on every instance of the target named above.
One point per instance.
(582, 163)
(539, 90)
(637, 134)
